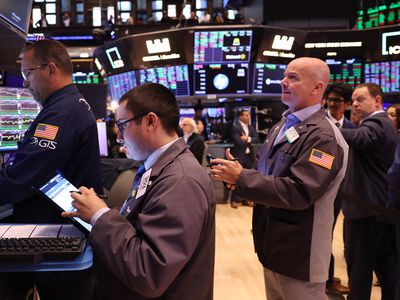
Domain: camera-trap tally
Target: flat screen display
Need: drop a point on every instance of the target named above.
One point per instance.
(221, 79)
(85, 78)
(119, 84)
(385, 73)
(16, 12)
(222, 46)
(348, 71)
(267, 78)
(18, 110)
(176, 78)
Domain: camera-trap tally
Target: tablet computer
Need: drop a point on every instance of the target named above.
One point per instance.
(58, 191)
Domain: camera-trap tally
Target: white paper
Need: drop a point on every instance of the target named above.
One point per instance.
(46, 231)
(3, 228)
(19, 231)
(70, 230)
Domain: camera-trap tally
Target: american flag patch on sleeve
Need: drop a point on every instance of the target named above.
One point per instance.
(46, 131)
(321, 158)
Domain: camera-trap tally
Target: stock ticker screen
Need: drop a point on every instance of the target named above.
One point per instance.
(221, 79)
(18, 110)
(386, 74)
(119, 84)
(267, 78)
(176, 78)
(85, 78)
(222, 46)
(348, 71)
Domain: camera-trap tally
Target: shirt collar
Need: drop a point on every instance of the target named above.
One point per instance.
(304, 113)
(372, 114)
(334, 120)
(243, 124)
(152, 159)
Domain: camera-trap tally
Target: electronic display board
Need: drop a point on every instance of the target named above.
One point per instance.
(85, 78)
(386, 74)
(348, 71)
(380, 13)
(267, 78)
(278, 45)
(221, 79)
(176, 78)
(168, 47)
(119, 84)
(222, 46)
(18, 110)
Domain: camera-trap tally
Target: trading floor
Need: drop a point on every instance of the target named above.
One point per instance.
(238, 274)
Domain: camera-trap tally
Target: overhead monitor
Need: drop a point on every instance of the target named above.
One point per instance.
(17, 13)
(102, 136)
(176, 78)
(267, 78)
(18, 110)
(221, 79)
(85, 78)
(119, 84)
(348, 71)
(386, 74)
(222, 46)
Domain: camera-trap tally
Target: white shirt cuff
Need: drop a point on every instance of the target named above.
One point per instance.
(98, 214)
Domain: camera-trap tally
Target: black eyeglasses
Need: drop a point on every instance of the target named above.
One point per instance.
(123, 124)
(335, 100)
(26, 72)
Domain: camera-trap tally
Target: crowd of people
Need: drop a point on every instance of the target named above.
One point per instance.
(161, 242)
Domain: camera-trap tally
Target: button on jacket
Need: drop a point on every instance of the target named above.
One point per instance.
(293, 218)
(74, 151)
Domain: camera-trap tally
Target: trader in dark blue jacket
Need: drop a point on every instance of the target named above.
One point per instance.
(369, 242)
(62, 137)
(337, 97)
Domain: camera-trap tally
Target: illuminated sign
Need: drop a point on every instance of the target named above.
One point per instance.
(391, 43)
(282, 42)
(158, 46)
(355, 44)
(114, 58)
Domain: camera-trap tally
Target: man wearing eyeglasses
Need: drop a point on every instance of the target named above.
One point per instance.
(62, 137)
(337, 97)
(161, 243)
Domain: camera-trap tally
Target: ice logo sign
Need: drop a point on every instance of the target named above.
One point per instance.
(391, 43)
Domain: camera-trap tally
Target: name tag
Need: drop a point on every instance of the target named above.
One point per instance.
(144, 182)
(291, 135)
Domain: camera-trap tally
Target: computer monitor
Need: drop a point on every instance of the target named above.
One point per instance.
(348, 71)
(384, 73)
(102, 135)
(17, 13)
(176, 78)
(119, 84)
(18, 110)
(221, 79)
(267, 78)
(222, 46)
(85, 78)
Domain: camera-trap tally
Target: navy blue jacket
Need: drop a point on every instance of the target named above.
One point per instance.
(239, 149)
(372, 147)
(394, 180)
(67, 141)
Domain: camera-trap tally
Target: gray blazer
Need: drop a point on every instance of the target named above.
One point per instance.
(165, 248)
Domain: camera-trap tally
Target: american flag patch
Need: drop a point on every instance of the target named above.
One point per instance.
(46, 131)
(321, 158)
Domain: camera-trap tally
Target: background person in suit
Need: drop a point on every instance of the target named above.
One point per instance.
(193, 139)
(302, 163)
(369, 242)
(161, 244)
(337, 98)
(243, 136)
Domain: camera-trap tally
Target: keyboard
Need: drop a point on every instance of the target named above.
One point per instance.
(39, 249)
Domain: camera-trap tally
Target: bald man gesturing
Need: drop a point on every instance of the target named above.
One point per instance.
(302, 163)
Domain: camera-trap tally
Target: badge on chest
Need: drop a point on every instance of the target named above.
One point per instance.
(291, 135)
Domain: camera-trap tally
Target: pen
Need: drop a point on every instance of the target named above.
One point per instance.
(104, 197)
